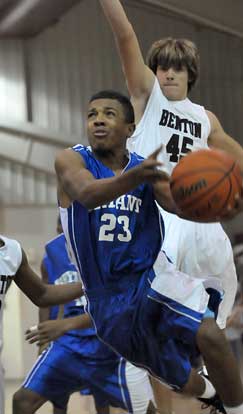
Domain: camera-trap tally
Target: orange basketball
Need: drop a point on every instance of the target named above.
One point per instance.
(204, 184)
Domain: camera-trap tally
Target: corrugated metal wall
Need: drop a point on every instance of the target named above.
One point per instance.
(12, 81)
(76, 57)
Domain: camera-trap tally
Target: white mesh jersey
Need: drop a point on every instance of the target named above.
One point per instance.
(181, 126)
(201, 250)
(10, 261)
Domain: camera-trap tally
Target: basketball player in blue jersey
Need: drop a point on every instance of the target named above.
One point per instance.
(140, 305)
(14, 266)
(77, 359)
(165, 115)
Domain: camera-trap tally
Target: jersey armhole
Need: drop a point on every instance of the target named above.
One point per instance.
(140, 125)
(83, 156)
(209, 124)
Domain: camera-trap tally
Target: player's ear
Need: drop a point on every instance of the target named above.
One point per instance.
(131, 129)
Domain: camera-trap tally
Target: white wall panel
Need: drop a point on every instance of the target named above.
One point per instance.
(21, 185)
(77, 57)
(12, 81)
(13, 147)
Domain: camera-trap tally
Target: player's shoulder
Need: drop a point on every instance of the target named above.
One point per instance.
(198, 112)
(212, 117)
(196, 105)
(85, 152)
(80, 148)
(60, 238)
(72, 151)
(11, 253)
(135, 158)
(69, 157)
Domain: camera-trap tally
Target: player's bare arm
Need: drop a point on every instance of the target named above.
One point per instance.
(39, 293)
(163, 195)
(77, 183)
(139, 77)
(220, 140)
(52, 329)
(44, 313)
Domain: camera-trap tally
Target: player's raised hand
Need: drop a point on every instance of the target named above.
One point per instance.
(155, 154)
(149, 170)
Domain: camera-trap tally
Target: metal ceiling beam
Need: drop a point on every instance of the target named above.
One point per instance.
(187, 14)
(28, 17)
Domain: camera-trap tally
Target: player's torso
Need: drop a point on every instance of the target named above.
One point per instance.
(117, 238)
(181, 126)
(10, 260)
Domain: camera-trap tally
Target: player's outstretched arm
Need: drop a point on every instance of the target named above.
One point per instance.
(50, 330)
(139, 77)
(40, 293)
(75, 182)
(220, 140)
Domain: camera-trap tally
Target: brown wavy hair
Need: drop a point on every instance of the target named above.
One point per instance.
(176, 53)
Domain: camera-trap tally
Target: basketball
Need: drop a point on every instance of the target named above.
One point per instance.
(204, 184)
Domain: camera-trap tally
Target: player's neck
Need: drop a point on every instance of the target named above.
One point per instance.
(115, 160)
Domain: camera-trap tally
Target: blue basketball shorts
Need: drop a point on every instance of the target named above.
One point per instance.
(152, 320)
(59, 372)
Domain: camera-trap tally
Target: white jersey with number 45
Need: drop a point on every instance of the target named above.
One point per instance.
(201, 250)
(181, 126)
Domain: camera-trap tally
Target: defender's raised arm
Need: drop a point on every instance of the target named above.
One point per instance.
(139, 77)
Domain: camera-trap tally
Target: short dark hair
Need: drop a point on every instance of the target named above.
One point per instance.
(124, 101)
(177, 53)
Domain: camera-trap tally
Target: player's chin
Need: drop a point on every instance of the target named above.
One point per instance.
(171, 94)
(100, 148)
(97, 142)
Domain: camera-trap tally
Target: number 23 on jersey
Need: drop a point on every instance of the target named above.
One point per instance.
(107, 230)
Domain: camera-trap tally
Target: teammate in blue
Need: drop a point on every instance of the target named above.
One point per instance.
(78, 359)
(141, 306)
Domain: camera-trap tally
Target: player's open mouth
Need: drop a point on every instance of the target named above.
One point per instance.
(100, 134)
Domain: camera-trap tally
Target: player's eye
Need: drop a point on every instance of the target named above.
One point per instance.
(91, 114)
(110, 113)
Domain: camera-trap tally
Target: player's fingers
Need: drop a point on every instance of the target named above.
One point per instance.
(150, 163)
(43, 342)
(158, 174)
(31, 335)
(39, 337)
(33, 340)
(39, 344)
(155, 154)
(33, 328)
